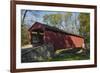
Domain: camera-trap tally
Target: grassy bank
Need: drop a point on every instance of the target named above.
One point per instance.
(71, 55)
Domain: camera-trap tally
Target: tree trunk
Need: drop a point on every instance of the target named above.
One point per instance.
(24, 16)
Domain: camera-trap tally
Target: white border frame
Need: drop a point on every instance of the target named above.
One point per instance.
(20, 65)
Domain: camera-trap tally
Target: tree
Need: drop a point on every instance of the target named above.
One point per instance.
(53, 19)
(85, 27)
(24, 15)
(65, 21)
(24, 30)
(68, 22)
(24, 35)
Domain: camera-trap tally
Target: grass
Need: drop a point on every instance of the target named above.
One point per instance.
(70, 55)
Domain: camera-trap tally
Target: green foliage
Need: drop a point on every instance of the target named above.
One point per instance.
(24, 35)
(54, 19)
(68, 16)
(24, 30)
(85, 28)
(64, 21)
(85, 22)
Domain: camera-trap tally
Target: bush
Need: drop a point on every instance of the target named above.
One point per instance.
(24, 35)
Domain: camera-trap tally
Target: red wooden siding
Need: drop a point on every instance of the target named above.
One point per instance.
(57, 37)
(78, 42)
(62, 41)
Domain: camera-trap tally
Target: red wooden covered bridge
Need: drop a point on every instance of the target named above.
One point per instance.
(42, 33)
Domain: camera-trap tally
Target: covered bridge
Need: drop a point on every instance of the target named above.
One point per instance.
(42, 33)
